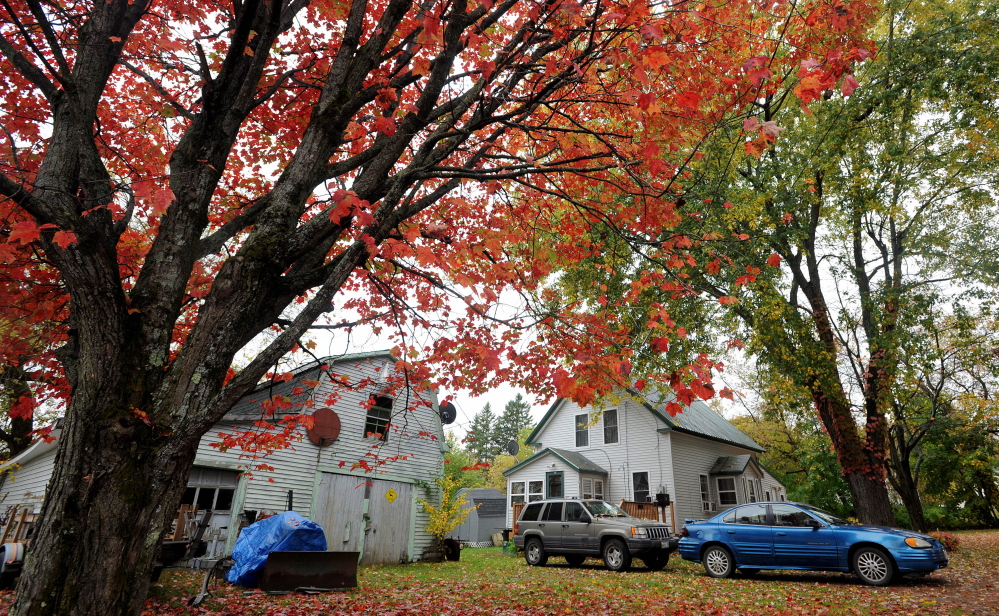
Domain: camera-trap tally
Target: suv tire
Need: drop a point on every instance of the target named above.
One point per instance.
(534, 553)
(657, 562)
(616, 555)
(575, 560)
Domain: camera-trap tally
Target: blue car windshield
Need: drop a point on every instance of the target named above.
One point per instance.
(827, 517)
(603, 508)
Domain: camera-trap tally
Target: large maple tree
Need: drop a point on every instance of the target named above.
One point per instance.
(180, 177)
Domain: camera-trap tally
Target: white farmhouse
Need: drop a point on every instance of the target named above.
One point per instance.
(633, 450)
(371, 510)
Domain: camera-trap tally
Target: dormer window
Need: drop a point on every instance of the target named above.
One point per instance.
(379, 415)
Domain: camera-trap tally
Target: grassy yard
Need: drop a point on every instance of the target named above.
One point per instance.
(487, 582)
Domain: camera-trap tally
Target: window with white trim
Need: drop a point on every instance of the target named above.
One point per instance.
(705, 493)
(376, 424)
(582, 430)
(640, 487)
(535, 490)
(727, 495)
(518, 490)
(610, 427)
(751, 490)
(592, 488)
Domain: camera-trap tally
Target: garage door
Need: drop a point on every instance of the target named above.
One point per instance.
(340, 511)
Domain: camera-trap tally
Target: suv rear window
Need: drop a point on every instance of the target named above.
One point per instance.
(531, 512)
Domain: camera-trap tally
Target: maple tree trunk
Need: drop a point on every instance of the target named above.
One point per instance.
(908, 491)
(102, 522)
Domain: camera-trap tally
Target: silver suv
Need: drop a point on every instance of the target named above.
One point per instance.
(576, 529)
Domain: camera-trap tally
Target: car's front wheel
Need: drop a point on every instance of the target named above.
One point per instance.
(873, 566)
(534, 553)
(616, 555)
(718, 562)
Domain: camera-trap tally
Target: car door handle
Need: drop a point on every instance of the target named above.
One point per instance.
(782, 534)
(731, 532)
(565, 526)
(540, 525)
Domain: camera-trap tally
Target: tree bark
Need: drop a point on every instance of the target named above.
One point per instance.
(112, 494)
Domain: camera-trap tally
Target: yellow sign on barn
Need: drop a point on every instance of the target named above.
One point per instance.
(391, 495)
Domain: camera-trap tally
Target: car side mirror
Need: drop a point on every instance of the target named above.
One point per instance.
(813, 523)
(585, 519)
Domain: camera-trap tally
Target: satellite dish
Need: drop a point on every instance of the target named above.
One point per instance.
(448, 413)
(513, 448)
(325, 427)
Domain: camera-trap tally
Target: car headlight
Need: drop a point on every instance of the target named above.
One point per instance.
(639, 532)
(916, 542)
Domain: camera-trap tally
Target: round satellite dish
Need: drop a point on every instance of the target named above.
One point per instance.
(448, 413)
(325, 427)
(513, 448)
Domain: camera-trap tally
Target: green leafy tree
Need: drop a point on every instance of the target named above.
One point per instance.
(494, 474)
(515, 417)
(460, 465)
(828, 248)
(449, 511)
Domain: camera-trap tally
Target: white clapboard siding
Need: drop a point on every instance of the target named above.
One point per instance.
(413, 447)
(694, 456)
(266, 491)
(25, 485)
(640, 447)
(421, 538)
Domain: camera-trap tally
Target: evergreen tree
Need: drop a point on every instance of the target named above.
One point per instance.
(516, 416)
(481, 439)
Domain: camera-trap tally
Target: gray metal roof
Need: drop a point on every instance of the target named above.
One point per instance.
(698, 418)
(491, 502)
(578, 461)
(298, 389)
(730, 465)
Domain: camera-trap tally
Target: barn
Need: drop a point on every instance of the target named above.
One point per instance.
(362, 486)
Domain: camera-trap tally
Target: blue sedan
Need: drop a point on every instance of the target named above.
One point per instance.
(795, 536)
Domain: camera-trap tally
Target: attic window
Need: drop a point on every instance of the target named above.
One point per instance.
(379, 414)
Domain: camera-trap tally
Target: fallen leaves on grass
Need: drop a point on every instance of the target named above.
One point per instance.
(487, 582)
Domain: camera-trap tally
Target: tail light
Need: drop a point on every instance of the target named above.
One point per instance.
(684, 532)
(516, 529)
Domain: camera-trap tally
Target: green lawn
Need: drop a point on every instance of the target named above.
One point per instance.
(488, 582)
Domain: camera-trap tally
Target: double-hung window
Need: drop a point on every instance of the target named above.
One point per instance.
(726, 492)
(535, 490)
(518, 491)
(582, 430)
(640, 487)
(705, 493)
(610, 427)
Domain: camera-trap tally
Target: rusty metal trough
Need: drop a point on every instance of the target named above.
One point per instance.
(288, 571)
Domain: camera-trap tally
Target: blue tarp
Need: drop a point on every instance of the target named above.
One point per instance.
(288, 531)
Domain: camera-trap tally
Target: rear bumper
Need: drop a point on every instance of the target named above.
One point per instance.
(690, 549)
